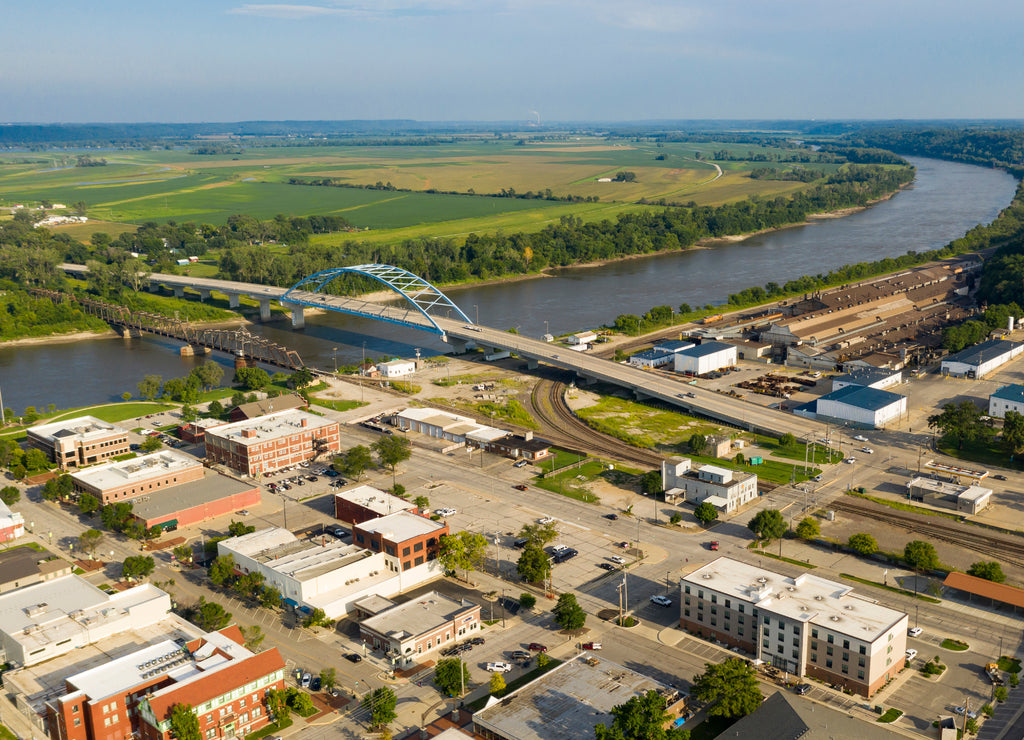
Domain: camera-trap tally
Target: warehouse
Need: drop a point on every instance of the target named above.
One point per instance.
(966, 499)
(868, 377)
(981, 359)
(864, 407)
(705, 358)
(651, 359)
(1007, 398)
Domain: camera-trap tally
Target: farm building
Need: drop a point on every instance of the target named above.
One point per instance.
(1007, 398)
(705, 358)
(981, 359)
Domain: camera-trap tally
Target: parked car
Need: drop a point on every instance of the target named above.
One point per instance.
(624, 545)
(713, 545)
(520, 543)
(521, 487)
(971, 714)
(999, 477)
(499, 667)
(520, 655)
(315, 684)
(613, 517)
(354, 657)
(915, 631)
(911, 654)
(661, 600)
(816, 479)
(546, 520)
(477, 641)
(803, 688)
(445, 512)
(867, 450)
(305, 680)
(617, 559)
(244, 512)
(591, 646)
(520, 463)
(537, 647)
(606, 566)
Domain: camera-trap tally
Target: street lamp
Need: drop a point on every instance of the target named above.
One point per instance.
(477, 307)
(335, 359)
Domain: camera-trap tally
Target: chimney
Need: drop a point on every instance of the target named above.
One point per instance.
(248, 433)
(305, 422)
(528, 436)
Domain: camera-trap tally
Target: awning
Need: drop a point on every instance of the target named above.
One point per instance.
(290, 602)
(169, 524)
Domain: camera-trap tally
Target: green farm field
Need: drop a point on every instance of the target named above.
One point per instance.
(164, 185)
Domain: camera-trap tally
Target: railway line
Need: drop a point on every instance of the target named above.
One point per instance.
(998, 546)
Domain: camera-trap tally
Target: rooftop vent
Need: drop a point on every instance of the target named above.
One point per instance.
(818, 597)
(790, 588)
(849, 607)
(762, 579)
(706, 576)
(834, 617)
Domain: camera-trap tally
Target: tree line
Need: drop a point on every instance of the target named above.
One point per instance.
(546, 194)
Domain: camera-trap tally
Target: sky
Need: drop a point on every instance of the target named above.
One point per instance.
(509, 60)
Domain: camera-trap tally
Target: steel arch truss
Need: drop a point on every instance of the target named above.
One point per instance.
(423, 296)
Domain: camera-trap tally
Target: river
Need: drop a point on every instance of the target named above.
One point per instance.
(946, 200)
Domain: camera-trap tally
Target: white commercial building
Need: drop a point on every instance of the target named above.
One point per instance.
(652, 358)
(863, 407)
(583, 337)
(1007, 398)
(396, 368)
(981, 359)
(725, 489)
(868, 377)
(806, 626)
(705, 358)
(47, 619)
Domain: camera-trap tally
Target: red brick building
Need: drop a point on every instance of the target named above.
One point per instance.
(225, 684)
(360, 504)
(412, 539)
(84, 440)
(195, 431)
(139, 476)
(269, 443)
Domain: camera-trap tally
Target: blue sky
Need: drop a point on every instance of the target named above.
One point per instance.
(613, 60)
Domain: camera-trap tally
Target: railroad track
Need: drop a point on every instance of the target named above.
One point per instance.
(563, 427)
(997, 546)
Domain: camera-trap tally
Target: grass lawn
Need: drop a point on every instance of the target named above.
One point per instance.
(572, 481)
(644, 425)
(270, 729)
(891, 715)
(986, 451)
(558, 460)
(951, 644)
(894, 589)
(335, 404)
(900, 506)
(6, 734)
(1008, 664)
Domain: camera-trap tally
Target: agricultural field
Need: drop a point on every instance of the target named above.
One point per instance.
(173, 184)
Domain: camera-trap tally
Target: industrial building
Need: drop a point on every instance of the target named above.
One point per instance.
(582, 338)
(396, 368)
(806, 626)
(981, 359)
(568, 701)
(861, 407)
(868, 377)
(77, 442)
(705, 358)
(464, 431)
(965, 499)
(652, 358)
(224, 683)
(1007, 398)
(725, 489)
(24, 566)
(266, 406)
(673, 345)
(408, 631)
(127, 479)
(268, 443)
(362, 503)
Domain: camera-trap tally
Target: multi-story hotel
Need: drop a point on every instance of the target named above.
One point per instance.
(268, 443)
(804, 625)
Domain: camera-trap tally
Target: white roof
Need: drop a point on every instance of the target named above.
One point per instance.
(131, 670)
(280, 551)
(82, 427)
(271, 426)
(401, 526)
(374, 499)
(806, 598)
(486, 434)
(717, 501)
(715, 470)
(157, 464)
(453, 423)
(396, 363)
(262, 539)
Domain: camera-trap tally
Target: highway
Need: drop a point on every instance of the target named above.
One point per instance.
(644, 384)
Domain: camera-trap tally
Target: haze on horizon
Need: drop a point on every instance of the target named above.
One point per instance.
(562, 60)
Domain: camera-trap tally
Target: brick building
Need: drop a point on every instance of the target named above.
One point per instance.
(84, 440)
(407, 631)
(362, 503)
(807, 626)
(195, 430)
(127, 479)
(256, 409)
(410, 539)
(268, 443)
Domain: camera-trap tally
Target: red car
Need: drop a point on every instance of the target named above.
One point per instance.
(591, 646)
(521, 487)
(713, 545)
(537, 647)
(624, 545)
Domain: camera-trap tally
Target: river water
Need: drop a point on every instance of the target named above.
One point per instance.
(946, 200)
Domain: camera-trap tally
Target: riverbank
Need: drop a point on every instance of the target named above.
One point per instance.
(77, 336)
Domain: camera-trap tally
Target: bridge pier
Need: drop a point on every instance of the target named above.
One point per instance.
(532, 364)
(298, 317)
(128, 333)
(640, 395)
(264, 309)
(233, 300)
(179, 292)
(204, 294)
(458, 345)
(191, 350)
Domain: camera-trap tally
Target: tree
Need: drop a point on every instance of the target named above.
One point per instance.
(990, 570)
(650, 483)
(182, 553)
(697, 443)
(301, 377)
(270, 597)
(538, 534)
(392, 450)
(808, 528)
(527, 600)
(277, 703)
(569, 615)
(209, 374)
(328, 679)
(497, 683)
(962, 421)
(318, 618)
(422, 503)
(185, 723)
(88, 504)
(222, 569)
(137, 566)
(380, 704)
(543, 660)
(36, 460)
(151, 443)
(731, 688)
(1013, 433)
(188, 413)
(10, 495)
(705, 513)
(787, 441)
(462, 550)
(642, 717)
(768, 524)
(116, 516)
(862, 544)
(252, 378)
(921, 555)
(149, 387)
(300, 702)
(451, 675)
(211, 616)
(253, 637)
(89, 540)
(215, 409)
(249, 585)
(354, 462)
(1000, 693)
(533, 565)
(237, 529)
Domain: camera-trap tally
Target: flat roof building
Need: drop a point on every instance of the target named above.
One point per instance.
(967, 499)
(127, 479)
(214, 495)
(413, 540)
(705, 357)
(12, 524)
(396, 368)
(407, 631)
(791, 717)
(1007, 398)
(981, 359)
(195, 430)
(868, 377)
(868, 408)
(24, 566)
(726, 490)
(83, 440)
(362, 503)
(568, 701)
(268, 443)
(652, 358)
(805, 625)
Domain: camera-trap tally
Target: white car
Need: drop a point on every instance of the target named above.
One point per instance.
(499, 667)
(915, 631)
(445, 512)
(618, 559)
(816, 479)
(860, 438)
(867, 450)
(850, 460)
(661, 601)
(911, 654)
(546, 520)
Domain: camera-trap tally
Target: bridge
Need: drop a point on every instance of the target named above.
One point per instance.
(423, 298)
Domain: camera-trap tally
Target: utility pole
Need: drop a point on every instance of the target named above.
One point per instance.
(362, 370)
